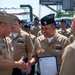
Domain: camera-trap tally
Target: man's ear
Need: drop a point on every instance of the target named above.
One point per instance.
(54, 27)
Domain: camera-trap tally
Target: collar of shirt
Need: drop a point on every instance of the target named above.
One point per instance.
(4, 39)
(50, 39)
(15, 35)
(36, 27)
(63, 31)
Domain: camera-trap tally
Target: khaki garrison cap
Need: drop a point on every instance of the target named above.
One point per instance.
(7, 18)
(14, 18)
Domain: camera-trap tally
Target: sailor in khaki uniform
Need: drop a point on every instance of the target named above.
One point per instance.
(32, 38)
(22, 23)
(63, 29)
(5, 54)
(39, 33)
(72, 36)
(50, 43)
(21, 43)
(6, 49)
(36, 28)
(27, 29)
(68, 60)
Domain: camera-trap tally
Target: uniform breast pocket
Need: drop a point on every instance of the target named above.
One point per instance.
(20, 41)
(3, 49)
(58, 48)
(20, 44)
(3, 53)
(39, 51)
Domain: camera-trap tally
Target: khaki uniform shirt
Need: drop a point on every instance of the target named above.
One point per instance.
(6, 52)
(22, 45)
(43, 48)
(71, 38)
(39, 33)
(68, 60)
(35, 30)
(65, 33)
(32, 37)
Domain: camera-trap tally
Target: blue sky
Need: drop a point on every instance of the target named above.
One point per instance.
(38, 10)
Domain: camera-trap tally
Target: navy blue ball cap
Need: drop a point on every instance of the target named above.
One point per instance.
(63, 20)
(36, 18)
(22, 21)
(48, 19)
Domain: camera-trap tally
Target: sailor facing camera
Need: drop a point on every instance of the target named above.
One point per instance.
(36, 28)
(63, 28)
(48, 44)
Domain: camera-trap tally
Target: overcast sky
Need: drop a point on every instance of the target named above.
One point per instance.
(38, 9)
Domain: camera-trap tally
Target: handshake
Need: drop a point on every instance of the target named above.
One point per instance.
(24, 67)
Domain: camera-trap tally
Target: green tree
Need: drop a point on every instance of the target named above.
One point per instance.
(64, 14)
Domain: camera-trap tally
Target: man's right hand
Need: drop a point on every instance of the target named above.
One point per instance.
(21, 64)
